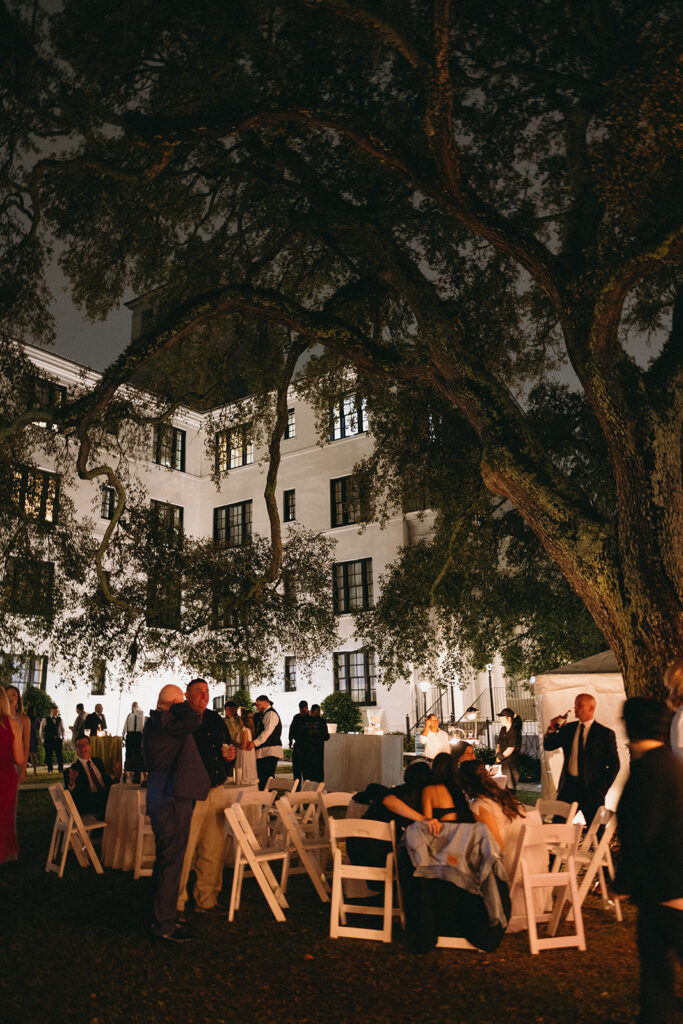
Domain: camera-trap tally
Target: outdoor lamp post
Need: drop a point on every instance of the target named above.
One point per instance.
(424, 686)
(489, 669)
(471, 716)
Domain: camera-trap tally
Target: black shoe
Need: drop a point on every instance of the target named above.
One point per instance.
(179, 934)
(215, 911)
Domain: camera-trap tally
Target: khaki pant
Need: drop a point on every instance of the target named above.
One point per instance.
(205, 851)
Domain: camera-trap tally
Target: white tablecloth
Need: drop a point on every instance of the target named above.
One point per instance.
(118, 838)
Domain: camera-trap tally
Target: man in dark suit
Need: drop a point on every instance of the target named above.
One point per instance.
(95, 722)
(177, 777)
(591, 761)
(88, 781)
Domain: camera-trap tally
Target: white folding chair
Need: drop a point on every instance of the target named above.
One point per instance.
(549, 809)
(565, 839)
(250, 855)
(308, 808)
(71, 830)
(595, 859)
(307, 850)
(257, 806)
(283, 783)
(341, 830)
(557, 809)
(145, 843)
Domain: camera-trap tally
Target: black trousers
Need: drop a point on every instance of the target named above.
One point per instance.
(171, 826)
(134, 762)
(589, 798)
(53, 748)
(265, 768)
(660, 944)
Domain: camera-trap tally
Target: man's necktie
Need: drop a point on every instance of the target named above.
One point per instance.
(580, 752)
(93, 775)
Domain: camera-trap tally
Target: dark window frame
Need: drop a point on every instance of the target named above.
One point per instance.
(348, 416)
(27, 479)
(225, 447)
(30, 587)
(343, 662)
(169, 446)
(289, 506)
(168, 519)
(290, 674)
(290, 429)
(23, 670)
(47, 394)
(107, 502)
(223, 531)
(343, 585)
(341, 512)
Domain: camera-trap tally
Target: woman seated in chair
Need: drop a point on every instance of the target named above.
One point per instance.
(443, 799)
(504, 816)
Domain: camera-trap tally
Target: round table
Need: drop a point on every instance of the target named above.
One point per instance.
(125, 804)
(110, 749)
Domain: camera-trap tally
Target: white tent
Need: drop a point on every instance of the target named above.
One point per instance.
(554, 693)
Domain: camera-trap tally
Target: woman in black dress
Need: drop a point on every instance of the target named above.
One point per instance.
(508, 747)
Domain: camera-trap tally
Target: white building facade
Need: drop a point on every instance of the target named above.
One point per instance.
(311, 491)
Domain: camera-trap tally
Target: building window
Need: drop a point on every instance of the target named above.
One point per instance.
(36, 493)
(290, 675)
(167, 524)
(22, 670)
(416, 498)
(353, 586)
(232, 524)
(289, 506)
(234, 678)
(98, 677)
(223, 613)
(234, 448)
(348, 417)
(169, 447)
(47, 394)
(28, 587)
(290, 429)
(345, 501)
(355, 674)
(108, 503)
(163, 604)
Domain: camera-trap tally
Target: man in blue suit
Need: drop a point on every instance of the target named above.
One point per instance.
(176, 779)
(591, 761)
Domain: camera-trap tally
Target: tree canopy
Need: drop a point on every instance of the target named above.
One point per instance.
(457, 199)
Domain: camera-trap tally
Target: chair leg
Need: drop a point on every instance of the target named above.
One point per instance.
(335, 905)
(236, 885)
(388, 900)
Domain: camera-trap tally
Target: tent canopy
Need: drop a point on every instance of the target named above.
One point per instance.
(555, 692)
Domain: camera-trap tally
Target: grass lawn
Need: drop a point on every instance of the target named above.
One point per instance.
(77, 952)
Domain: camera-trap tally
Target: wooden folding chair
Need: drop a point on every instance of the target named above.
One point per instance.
(563, 838)
(250, 855)
(308, 851)
(308, 809)
(385, 831)
(595, 859)
(71, 830)
(309, 786)
(145, 843)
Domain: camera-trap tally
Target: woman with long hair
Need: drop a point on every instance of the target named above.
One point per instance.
(495, 807)
(16, 710)
(246, 759)
(11, 757)
(444, 799)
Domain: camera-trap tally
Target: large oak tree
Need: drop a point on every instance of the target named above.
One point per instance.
(464, 197)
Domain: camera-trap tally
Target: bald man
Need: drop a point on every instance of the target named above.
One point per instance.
(591, 761)
(176, 779)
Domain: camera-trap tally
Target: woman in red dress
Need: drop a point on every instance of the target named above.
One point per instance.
(11, 756)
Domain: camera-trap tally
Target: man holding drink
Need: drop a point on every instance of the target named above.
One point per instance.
(206, 842)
